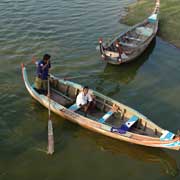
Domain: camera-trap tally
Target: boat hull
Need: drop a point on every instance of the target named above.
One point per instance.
(97, 126)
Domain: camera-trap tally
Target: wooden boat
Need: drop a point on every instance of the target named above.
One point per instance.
(131, 44)
(109, 117)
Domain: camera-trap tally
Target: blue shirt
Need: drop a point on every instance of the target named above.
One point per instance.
(43, 73)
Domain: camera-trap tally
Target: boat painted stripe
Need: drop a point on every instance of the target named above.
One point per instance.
(131, 121)
(152, 18)
(125, 127)
(106, 116)
(167, 135)
(174, 144)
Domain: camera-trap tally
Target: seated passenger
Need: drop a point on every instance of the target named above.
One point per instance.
(84, 100)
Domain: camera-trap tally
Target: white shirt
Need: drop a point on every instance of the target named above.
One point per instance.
(83, 99)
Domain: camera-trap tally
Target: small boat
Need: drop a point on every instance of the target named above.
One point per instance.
(132, 43)
(109, 117)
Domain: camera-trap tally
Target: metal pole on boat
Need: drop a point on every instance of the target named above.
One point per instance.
(50, 127)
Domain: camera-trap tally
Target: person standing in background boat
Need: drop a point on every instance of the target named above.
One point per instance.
(42, 72)
(84, 100)
(121, 52)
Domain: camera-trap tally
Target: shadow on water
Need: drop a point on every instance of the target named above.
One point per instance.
(63, 129)
(30, 133)
(125, 73)
(144, 154)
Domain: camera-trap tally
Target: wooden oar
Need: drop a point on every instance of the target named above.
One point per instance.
(75, 77)
(34, 61)
(50, 127)
(82, 76)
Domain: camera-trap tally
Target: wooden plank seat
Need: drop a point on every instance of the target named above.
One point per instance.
(167, 135)
(106, 116)
(125, 127)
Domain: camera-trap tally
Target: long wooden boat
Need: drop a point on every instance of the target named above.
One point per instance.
(109, 117)
(132, 43)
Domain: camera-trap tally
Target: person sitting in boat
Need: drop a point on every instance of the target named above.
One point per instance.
(119, 48)
(42, 74)
(84, 100)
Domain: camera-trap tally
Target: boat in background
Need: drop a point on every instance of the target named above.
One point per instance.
(109, 117)
(132, 43)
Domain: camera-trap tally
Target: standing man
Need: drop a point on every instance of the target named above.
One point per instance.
(41, 80)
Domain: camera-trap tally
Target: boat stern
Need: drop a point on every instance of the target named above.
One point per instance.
(175, 144)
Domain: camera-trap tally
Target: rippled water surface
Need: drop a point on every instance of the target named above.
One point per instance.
(68, 30)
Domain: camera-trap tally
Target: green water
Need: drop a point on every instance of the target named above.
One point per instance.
(169, 13)
(69, 30)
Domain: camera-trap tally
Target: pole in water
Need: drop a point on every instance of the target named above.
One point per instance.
(50, 127)
(50, 138)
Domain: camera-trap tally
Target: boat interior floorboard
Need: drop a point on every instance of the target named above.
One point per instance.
(60, 99)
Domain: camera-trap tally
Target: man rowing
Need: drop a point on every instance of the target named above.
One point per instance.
(42, 73)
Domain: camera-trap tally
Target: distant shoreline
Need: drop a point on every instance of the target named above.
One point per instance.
(169, 27)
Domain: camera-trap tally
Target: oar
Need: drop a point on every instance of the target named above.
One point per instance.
(34, 61)
(50, 127)
(75, 77)
(81, 76)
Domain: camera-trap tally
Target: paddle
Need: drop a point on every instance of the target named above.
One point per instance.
(50, 127)
(80, 76)
(34, 61)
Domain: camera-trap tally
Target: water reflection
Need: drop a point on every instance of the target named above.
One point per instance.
(127, 72)
(145, 154)
(148, 155)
